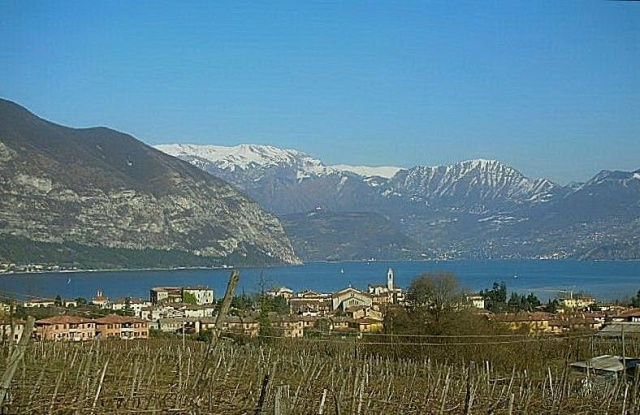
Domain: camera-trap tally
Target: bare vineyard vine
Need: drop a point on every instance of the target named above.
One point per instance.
(372, 375)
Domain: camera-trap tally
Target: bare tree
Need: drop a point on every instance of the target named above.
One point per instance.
(436, 293)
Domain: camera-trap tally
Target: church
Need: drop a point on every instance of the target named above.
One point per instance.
(387, 294)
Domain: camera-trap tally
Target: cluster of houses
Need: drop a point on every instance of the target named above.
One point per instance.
(11, 267)
(347, 311)
(540, 322)
(192, 310)
(76, 328)
(573, 314)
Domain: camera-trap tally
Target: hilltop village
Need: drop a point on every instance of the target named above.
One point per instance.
(278, 312)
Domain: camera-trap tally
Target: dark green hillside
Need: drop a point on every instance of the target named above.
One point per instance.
(69, 255)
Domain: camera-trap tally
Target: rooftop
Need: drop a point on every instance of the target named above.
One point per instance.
(608, 363)
(157, 289)
(617, 329)
(63, 319)
(118, 319)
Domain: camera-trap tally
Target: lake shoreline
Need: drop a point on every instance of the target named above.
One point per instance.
(430, 261)
(546, 278)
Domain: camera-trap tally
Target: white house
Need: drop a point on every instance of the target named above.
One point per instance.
(203, 295)
(11, 330)
(284, 292)
(476, 301)
(197, 311)
(179, 325)
(165, 311)
(146, 313)
(135, 305)
(42, 302)
(577, 301)
(159, 295)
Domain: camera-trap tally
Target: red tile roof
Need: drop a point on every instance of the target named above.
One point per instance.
(118, 319)
(64, 319)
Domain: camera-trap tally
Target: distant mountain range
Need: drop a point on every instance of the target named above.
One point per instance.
(98, 197)
(472, 209)
(95, 197)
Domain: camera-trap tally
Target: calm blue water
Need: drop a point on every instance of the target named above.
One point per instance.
(606, 280)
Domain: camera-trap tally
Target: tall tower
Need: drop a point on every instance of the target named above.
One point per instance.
(390, 279)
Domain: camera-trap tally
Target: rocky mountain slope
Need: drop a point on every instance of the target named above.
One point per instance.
(282, 181)
(270, 175)
(100, 188)
(474, 185)
(472, 209)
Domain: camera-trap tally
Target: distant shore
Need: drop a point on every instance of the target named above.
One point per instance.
(72, 271)
(77, 271)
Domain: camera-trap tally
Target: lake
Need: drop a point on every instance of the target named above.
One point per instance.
(607, 280)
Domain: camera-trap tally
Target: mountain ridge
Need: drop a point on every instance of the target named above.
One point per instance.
(419, 184)
(100, 187)
(472, 209)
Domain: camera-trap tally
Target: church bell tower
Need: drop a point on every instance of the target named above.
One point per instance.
(390, 279)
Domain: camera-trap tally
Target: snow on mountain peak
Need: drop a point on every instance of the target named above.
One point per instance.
(482, 162)
(386, 172)
(484, 165)
(488, 178)
(244, 156)
(481, 178)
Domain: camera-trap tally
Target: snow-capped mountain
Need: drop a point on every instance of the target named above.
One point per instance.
(473, 184)
(611, 195)
(472, 209)
(285, 181)
(256, 157)
(614, 178)
(270, 174)
(385, 172)
(247, 157)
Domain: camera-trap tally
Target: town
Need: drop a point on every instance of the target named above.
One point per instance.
(280, 312)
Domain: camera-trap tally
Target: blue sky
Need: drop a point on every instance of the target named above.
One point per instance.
(549, 87)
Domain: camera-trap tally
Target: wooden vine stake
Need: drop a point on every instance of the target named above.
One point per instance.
(15, 359)
(220, 319)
